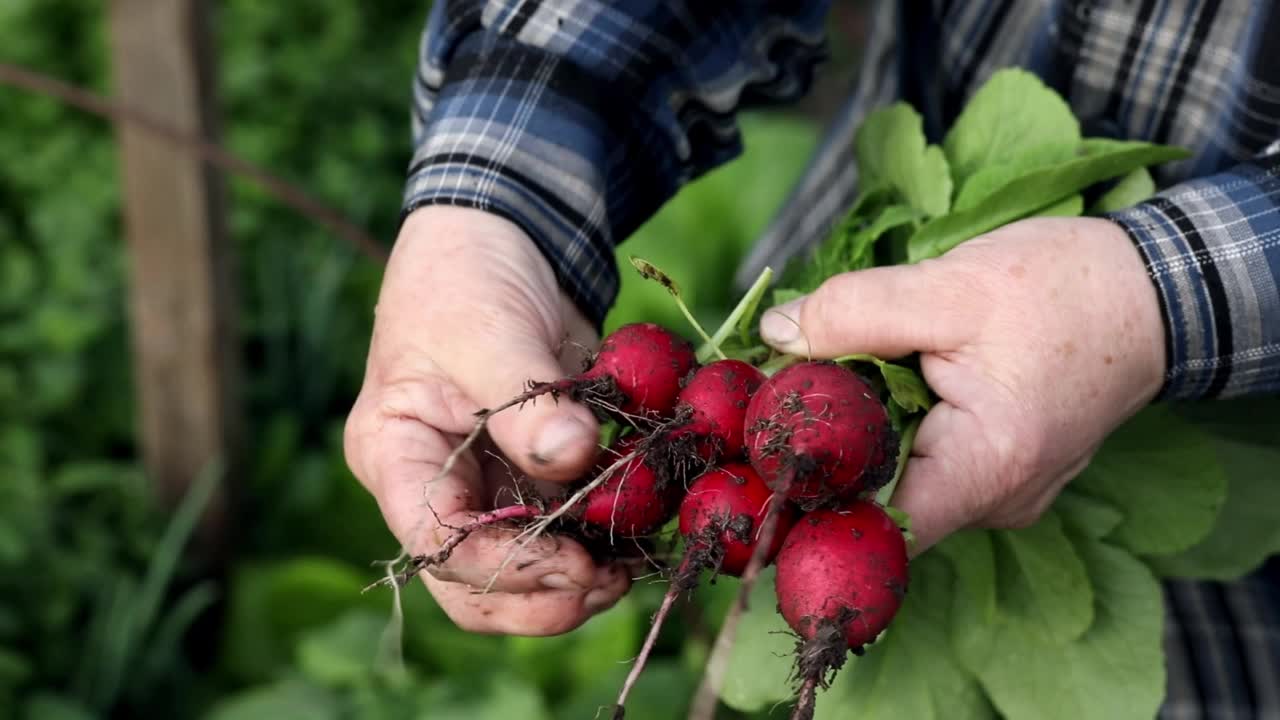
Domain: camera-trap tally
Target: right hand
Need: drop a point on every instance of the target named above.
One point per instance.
(469, 312)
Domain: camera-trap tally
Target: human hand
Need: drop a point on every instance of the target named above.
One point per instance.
(469, 311)
(1039, 338)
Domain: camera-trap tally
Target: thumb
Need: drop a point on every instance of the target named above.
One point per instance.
(548, 438)
(887, 311)
(476, 292)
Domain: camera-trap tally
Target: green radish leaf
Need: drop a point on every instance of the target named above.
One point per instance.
(1014, 120)
(1040, 579)
(892, 151)
(1033, 576)
(986, 181)
(906, 388)
(1087, 515)
(1033, 191)
(851, 245)
(1070, 206)
(609, 432)
(1131, 190)
(753, 355)
(873, 198)
(786, 295)
(763, 652)
(909, 672)
(857, 253)
(1246, 532)
(1164, 475)
(972, 554)
(1115, 669)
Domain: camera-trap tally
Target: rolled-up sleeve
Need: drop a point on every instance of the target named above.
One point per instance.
(578, 119)
(1212, 248)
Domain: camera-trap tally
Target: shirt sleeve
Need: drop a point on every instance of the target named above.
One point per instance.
(1212, 247)
(578, 119)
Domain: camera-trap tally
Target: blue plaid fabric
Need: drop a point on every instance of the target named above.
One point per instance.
(1213, 246)
(577, 119)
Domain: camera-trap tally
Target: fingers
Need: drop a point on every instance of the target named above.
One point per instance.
(423, 514)
(938, 490)
(533, 614)
(472, 293)
(549, 587)
(548, 438)
(885, 311)
(976, 469)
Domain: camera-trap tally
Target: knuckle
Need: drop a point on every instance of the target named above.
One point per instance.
(1015, 455)
(823, 308)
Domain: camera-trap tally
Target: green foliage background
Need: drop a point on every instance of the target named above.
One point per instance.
(99, 614)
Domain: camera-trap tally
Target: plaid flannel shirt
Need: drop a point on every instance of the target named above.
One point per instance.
(577, 119)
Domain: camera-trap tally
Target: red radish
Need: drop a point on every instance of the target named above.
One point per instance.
(716, 398)
(635, 500)
(820, 426)
(645, 362)
(720, 518)
(841, 578)
(724, 509)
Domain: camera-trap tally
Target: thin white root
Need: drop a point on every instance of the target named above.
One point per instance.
(535, 530)
(708, 693)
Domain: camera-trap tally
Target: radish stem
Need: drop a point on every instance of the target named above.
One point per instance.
(652, 639)
(651, 272)
(744, 309)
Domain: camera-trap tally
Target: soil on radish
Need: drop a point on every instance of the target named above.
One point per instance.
(819, 427)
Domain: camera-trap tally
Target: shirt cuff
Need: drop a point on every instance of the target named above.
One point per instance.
(1212, 248)
(502, 139)
(578, 121)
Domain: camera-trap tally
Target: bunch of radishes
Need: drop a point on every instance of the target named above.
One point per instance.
(759, 469)
(794, 459)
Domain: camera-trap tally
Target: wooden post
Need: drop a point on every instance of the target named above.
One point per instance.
(181, 300)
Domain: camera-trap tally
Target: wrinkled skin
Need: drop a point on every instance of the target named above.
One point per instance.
(1040, 338)
(468, 312)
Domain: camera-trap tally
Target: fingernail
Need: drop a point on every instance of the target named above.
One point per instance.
(562, 432)
(780, 325)
(558, 581)
(598, 600)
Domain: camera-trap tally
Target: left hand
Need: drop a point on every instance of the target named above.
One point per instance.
(1039, 338)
